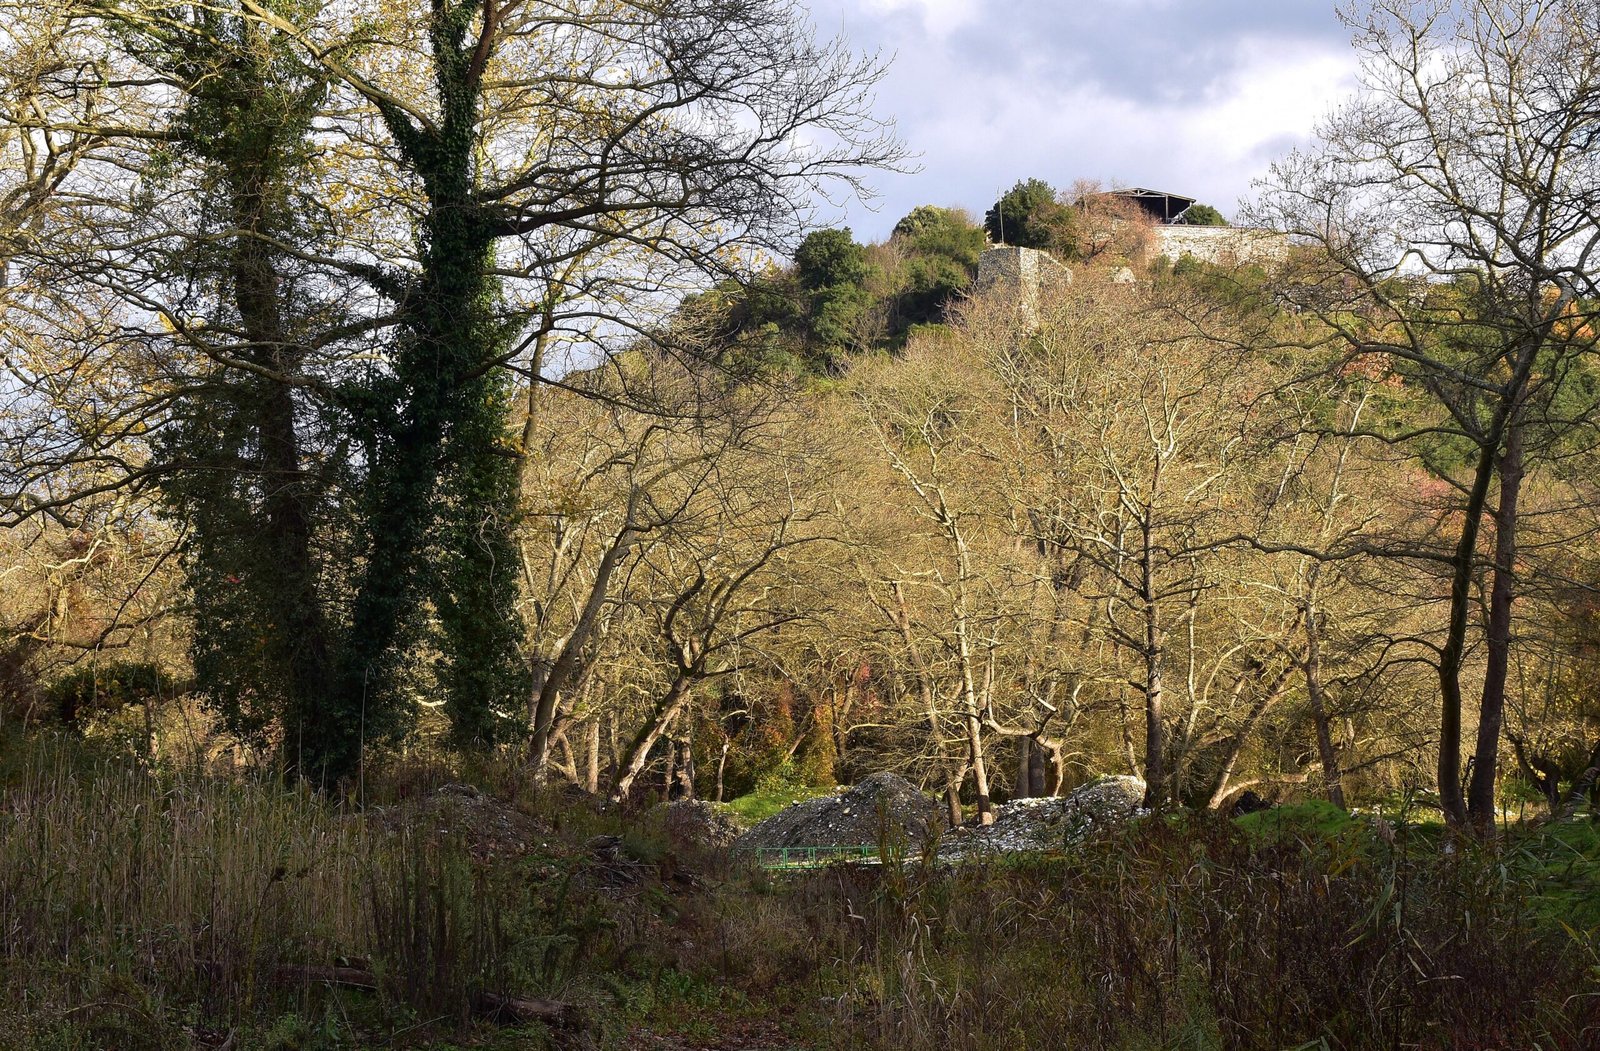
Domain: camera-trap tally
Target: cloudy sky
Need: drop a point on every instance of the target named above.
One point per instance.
(1191, 96)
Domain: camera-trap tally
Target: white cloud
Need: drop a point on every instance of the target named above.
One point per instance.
(992, 92)
(938, 17)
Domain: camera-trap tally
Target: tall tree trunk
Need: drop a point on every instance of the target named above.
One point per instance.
(686, 771)
(638, 750)
(1031, 773)
(297, 622)
(295, 626)
(973, 708)
(1505, 428)
(1020, 788)
(614, 767)
(1155, 774)
(669, 773)
(1130, 755)
(591, 772)
(567, 763)
(1452, 655)
(451, 412)
(1317, 698)
(975, 758)
(1491, 711)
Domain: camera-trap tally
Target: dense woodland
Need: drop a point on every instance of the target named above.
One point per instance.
(469, 384)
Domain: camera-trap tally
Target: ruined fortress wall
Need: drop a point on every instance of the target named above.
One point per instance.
(1022, 271)
(1025, 269)
(1224, 245)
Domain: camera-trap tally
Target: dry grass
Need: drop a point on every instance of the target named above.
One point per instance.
(141, 909)
(1189, 935)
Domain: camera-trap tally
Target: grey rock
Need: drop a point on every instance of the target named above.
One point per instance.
(849, 818)
(1052, 823)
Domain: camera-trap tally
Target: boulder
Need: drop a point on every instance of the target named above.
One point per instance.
(1052, 823)
(849, 818)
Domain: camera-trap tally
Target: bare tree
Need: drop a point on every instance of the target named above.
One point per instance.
(727, 578)
(607, 482)
(431, 195)
(1454, 206)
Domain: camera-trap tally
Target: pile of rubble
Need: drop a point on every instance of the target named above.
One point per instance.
(489, 827)
(697, 823)
(1051, 823)
(857, 817)
(852, 818)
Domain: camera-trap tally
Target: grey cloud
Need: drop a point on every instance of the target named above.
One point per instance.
(1173, 53)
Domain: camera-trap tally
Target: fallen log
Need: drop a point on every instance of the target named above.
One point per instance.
(345, 977)
(514, 1010)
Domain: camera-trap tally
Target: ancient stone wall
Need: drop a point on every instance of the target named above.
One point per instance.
(1023, 270)
(1223, 245)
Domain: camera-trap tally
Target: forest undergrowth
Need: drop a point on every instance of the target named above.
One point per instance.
(146, 908)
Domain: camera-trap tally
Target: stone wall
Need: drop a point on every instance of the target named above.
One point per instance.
(1223, 245)
(1024, 270)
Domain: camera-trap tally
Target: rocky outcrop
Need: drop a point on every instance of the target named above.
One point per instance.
(849, 819)
(1052, 823)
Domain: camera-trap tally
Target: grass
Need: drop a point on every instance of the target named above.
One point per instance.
(1197, 934)
(1316, 818)
(141, 908)
(147, 909)
(1563, 864)
(767, 800)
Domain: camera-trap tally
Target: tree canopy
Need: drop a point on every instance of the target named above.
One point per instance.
(1202, 215)
(1032, 215)
(349, 241)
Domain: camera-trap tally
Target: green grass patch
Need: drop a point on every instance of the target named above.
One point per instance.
(768, 800)
(1317, 819)
(1563, 861)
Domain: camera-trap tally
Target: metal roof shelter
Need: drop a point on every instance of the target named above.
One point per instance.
(1163, 207)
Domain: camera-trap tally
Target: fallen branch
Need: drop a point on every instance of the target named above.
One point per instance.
(513, 1010)
(1581, 787)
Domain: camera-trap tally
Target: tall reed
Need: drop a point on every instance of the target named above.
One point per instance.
(146, 899)
(1188, 935)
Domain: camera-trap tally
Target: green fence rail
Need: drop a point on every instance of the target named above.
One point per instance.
(811, 857)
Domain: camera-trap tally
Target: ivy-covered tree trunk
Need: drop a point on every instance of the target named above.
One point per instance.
(484, 676)
(443, 488)
(262, 637)
(296, 628)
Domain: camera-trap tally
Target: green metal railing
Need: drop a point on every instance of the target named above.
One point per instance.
(811, 857)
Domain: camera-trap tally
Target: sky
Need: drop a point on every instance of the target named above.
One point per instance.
(1195, 97)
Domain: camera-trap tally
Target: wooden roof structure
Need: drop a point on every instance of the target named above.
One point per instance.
(1163, 207)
